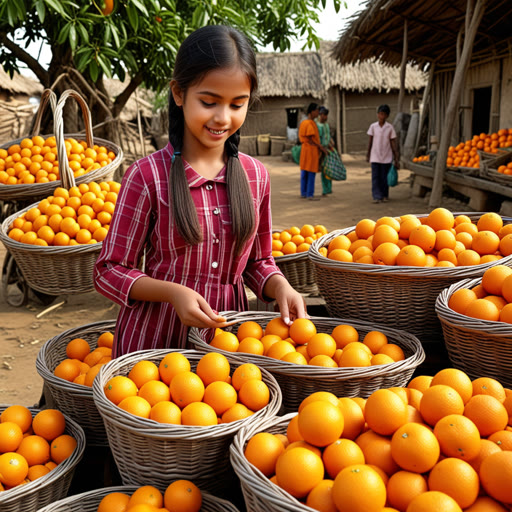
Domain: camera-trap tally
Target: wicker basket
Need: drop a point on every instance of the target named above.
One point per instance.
(50, 487)
(401, 297)
(489, 168)
(148, 452)
(260, 494)
(299, 381)
(299, 272)
(478, 347)
(37, 191)
(74, 400)
(89, 501)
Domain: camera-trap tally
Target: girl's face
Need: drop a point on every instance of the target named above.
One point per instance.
(214, 108)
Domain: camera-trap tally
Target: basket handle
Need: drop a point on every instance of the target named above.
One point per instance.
(66, 174)
(47, 96)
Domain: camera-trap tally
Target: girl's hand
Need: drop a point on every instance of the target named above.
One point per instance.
(291, 303)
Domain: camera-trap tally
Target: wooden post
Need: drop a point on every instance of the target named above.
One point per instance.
(425, 103)
(338, 124)
(473, 19)
(403, 68)
(344, 120)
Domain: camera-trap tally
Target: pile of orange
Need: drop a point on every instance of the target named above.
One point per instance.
(444, 443)
(490, 300)
(465, 154)
(302, 344)
(422, 158)
(172, 393)
(31, 447)
(295, 239)
(80, 215)
(436, 240)
(180, 496)
(505, 169)
(34, 160)
(83, 364)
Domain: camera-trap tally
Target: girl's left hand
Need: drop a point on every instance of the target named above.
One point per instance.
(291, 303)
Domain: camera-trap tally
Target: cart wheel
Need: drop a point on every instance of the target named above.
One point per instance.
(14, 287)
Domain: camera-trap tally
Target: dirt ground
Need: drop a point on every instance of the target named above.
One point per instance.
(24, 330)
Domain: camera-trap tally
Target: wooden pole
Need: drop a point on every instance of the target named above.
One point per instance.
(344, 120)
(338, 124)
(403, 68)
(473, 19)
(426, 105)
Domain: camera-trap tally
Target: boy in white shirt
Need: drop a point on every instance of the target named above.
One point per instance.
(382, 152)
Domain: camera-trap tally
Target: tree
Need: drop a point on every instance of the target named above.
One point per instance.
(138, 39)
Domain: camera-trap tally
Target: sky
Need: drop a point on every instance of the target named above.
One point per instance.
(331, 23)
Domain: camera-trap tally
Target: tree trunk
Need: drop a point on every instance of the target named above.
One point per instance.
(473, 19)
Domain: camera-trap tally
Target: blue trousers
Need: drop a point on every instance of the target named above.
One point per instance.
(380, 188)
(307, 183)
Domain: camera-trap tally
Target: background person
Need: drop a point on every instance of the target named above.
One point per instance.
(327, 143)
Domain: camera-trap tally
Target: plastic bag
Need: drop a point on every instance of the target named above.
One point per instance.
(296, 153)
(392, 176)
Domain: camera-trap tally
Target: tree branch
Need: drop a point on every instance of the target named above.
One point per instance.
(25, 57)
(122, 99)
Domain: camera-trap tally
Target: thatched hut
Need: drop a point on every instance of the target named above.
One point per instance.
(288, 82)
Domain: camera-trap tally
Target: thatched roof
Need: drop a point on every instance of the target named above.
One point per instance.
(19, 84)
(433, 25)
(143, 98)
(313, 73)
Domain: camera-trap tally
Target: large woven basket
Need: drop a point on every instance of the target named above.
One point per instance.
(478, 347)
(89, 501)
(299, 381)
(489, 168)
(401, 297)
(299, 272)
(74, 400)
(260, 494)
(41, 190)
(148, 452)
(50, 487)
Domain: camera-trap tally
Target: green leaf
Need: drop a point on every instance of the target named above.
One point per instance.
(105, 65)
(93, 70)
(133, 16)
(41, 10)
(115, 35)
(82, 58)
(63, 35)
(141, 7)
(72, 38)
(83, 32)
(57, 6)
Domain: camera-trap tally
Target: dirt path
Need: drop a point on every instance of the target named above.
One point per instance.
(22, 333)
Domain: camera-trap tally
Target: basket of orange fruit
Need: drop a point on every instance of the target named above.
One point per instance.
(289, 248)
(180, 495)
(440, 444)
(39, 452)
(390, 271)
(476, 316)
(31, 167)
(68, 364)
(173, 413)
(498, 169)
(346, 357)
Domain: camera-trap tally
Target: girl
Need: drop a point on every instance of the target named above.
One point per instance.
(199, 209)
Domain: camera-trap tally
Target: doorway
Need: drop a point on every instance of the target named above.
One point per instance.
(481, 110)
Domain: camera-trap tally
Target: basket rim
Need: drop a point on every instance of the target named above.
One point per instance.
(461, 272)
(166, 432)
(61, 470)
(318, 372)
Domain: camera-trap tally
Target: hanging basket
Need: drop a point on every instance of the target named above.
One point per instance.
(402, 297)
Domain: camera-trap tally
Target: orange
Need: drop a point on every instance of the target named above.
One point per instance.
(505, 246)
(468, 257)
(377, 453)
(252, 329)
(166, 412)
(292, 430)
(18, 414)
(320, 423)
(154, 391)
(489, 386)
(244, 373)
(460, 300)
(355, 357)
(298, 471)
(49, 424)
(375, 340)
(220, 396)
(344, 334)
(415, 448)
(403, 487)
(37, 471)
(254, 394)
(483, 309)
(384, 233)
(268, 340)
(302, 330)
(322, 360)
(13, 469)
(77, 348)
(502, 439)
(319, 395)
(11, 436)
(235, 413)
(423, 236)
(321, 344)
(225, 341)
(35, 449)
(114, 502)
(251, 345)
(493, 278)
(458, 437)
(91, 374)
(136, 405)
(320, 497)
(392, 350)
(365, 228)
(486, 504)
(120, 387)
(433, 500)
(186, 387)
(142, 372)
(353, 418)
(279, 349)
(457, 479)
(278, 327)
(105, 339)
(490, 222)
(341, 454)
(485, 242)
(148, 495)
(407, 226)
(340, 255)
(212, 367)
(183, 496)
(496, 475)
(359, 488)
(294, 357)
(457, 380)
(386, 253)
(487, 413)
(439, 401)
(440, 219)
(198, 413)
(411, 255)
(506, 289)
(263, 450)
(304, 444)
(385, 412)
(62, 447)
(68, 370)
(486, 448)
(171, 365)
(341, 242)
(445, 239)
(421, 382)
